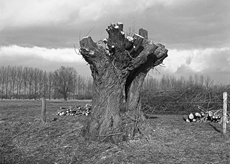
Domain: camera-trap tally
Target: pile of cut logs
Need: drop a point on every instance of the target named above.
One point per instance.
(75, 110)
(207, 116)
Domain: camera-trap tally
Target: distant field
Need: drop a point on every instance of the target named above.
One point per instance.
(168, 139)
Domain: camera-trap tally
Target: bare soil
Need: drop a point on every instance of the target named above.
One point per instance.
(166, 139)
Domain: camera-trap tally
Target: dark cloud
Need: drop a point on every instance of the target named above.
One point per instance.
(190, 24)
(180, 25)
(52, 37)
(39, 36)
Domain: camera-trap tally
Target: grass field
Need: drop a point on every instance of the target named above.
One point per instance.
(167, 139)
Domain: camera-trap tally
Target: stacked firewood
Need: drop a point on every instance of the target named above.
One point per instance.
(207, 116)
(75, 110)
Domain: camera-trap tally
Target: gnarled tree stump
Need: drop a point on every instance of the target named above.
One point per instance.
(119, 65)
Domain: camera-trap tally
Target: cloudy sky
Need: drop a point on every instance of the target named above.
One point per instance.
(42, 33)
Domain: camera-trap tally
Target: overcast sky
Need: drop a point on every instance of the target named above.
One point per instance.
(42, 33)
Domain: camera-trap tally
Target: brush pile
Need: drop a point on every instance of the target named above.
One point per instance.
(183, 100)
(75, 110)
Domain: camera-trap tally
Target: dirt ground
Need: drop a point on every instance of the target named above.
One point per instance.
(167, 139)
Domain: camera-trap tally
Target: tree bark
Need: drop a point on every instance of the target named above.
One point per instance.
(119, 65)
(134, 85)
(105, 119)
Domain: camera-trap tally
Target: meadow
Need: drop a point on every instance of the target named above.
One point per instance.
(167, 139)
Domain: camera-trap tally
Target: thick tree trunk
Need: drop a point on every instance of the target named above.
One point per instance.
(133, 104)
(133, 88)
(105, 121)
(119, 65)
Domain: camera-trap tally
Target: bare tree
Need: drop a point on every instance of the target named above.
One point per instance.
(36, 77)
(12, 80)
(7, 80)
(208, 82)
(19, 80)
(119, 66)
(2, 81)
(43, 83)
(63, 80)
(30, 81)
(25, 77)
(50, 84)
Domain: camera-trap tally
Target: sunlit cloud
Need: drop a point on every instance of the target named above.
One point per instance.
(56, 55)
(198, 61)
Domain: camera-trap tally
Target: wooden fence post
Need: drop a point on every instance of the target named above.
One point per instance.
(43, 113)
(224, 112)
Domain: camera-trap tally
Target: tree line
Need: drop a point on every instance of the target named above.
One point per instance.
(170, 82)
(17, 82)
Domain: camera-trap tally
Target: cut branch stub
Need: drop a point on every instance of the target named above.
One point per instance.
(116, 35)
(160, 51)
(161, 54)
(87, 48)
(87, 42)
(148, 49)
(118, 45)
(137, 42)
(120, 25)
(143, 33)
(95, 55)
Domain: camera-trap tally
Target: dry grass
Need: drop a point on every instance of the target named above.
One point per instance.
(167, 139)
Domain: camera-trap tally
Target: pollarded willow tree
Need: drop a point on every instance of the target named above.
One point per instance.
(118, 65)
